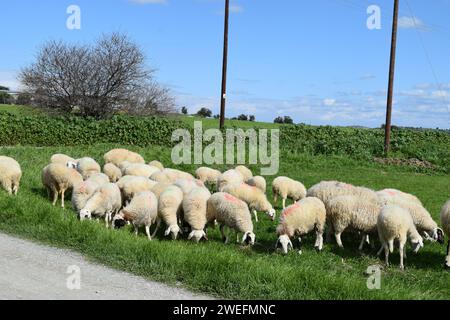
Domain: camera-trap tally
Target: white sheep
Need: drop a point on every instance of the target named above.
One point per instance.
(229, 177)
(246, 172)
(160, 177)
(10, 175)
(140, 169)
(159, 188)
(395, 223)
(255, 198)
(64, 159)
(105, 202)
(391, 195)
(141, 211)
(99, 178)
(299, 219)
(207, 175)
(156, 163)
(57, 179)
(82, 192)
(352, 212)
(287, 188)
(87, 167)
(188, 185)
(445, 221)
(258, 182)
(194, 212)
(131, 185)
(169, 209)
(113, 172)
(123, 166)
(231, 212)
(175, 174)
(117, 156)
(425, 224)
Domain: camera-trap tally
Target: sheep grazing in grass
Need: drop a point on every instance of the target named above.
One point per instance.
(207, 175)
(64, 160)
(229, 177)
(299, 219)
(57, 179)
(391, 195)
(395, 223)
(99, 178)
(88, 167)
(169, 209)
(258, 182)
(352, 212)
(246, 172)
(113, 172)
(10, 175)
(255, 198)
(287, 188)
(159, 188)
(82, 192)
(188, 185)
(142, 211)
(131, 185)
(230, 212)
(105, 202)
(117, 156)
(156, 163)
(445, 220)
(140, 169)
(194, 212)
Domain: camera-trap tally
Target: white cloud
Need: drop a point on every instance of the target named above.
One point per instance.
(329, 102)
(150, 1)
(234, 8)
(411, 23)
(9, 79)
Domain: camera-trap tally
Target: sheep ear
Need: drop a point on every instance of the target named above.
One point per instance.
(276, 244)
(167, 232)
(191, 235)
(290, 244)
(440, 235)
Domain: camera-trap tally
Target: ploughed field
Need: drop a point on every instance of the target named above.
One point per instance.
(234, 271)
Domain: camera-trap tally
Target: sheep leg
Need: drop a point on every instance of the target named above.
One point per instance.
(386, 255)
(136, 229)
(224, 237)
(284, 203)
(158, 224)
(338, 240)
(147, 231)
(107, 220)
(15, 189)
(299, 245)
(402, 248)
(255, 213)
(319, 241)
(363, 240)
(55, 197)
(62, 198)
(275, 198)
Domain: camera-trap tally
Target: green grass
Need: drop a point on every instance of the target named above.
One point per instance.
(209, 123)
(231, 271)
(19, 110)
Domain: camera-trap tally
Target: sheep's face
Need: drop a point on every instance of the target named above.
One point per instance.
(284, 243)
(272, 214)
(248, 238)
(174, 231)
(438, 235)
(197, 235)
(447, 262)
(118, 221)
(71, 165)
(417, 244)
(85, 214)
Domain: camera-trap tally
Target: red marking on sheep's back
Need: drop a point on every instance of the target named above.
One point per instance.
(230, 198)
(391, 192)
(348, 186)
(291, 209)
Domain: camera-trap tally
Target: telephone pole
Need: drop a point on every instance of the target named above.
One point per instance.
(387, 138)
(224, 66)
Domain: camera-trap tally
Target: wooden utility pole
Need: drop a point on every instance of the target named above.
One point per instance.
(224, 66)
(387, 138)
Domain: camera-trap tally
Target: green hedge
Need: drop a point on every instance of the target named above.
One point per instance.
(43, 130)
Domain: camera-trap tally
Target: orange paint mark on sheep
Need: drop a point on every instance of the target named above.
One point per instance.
(291, 209)
(230, 198)
(391, 193)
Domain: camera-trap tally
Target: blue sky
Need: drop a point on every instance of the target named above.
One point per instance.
(313, 60)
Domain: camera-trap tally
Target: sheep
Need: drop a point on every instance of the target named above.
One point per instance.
(386, 195)
(131, 185)
(64, 159)
(423, 221)
(87, 167)
(188, 185)
(169, 209)
(300, 219)
(141, 170)
(287, 188)
(82, 192)
(141, 211)
(255, 198)
(246, 172)
(123, 166)
(445, 221)
(105, 202)
(229, 177)
(160, 177)
(174, 174)
(353, 212)
(99, 178)
(395, 223)
(58, 178)
(156, 163)
(207, 175)
(10, 175)
(194, 209)
(229, 211)
(113, 172)
(258, 182)
(116, 156)
(159, 188)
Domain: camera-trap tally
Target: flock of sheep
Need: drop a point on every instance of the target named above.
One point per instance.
(129, 191)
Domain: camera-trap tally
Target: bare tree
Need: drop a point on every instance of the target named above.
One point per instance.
(93, 80)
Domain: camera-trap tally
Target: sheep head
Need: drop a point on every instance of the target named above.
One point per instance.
(285, 243)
